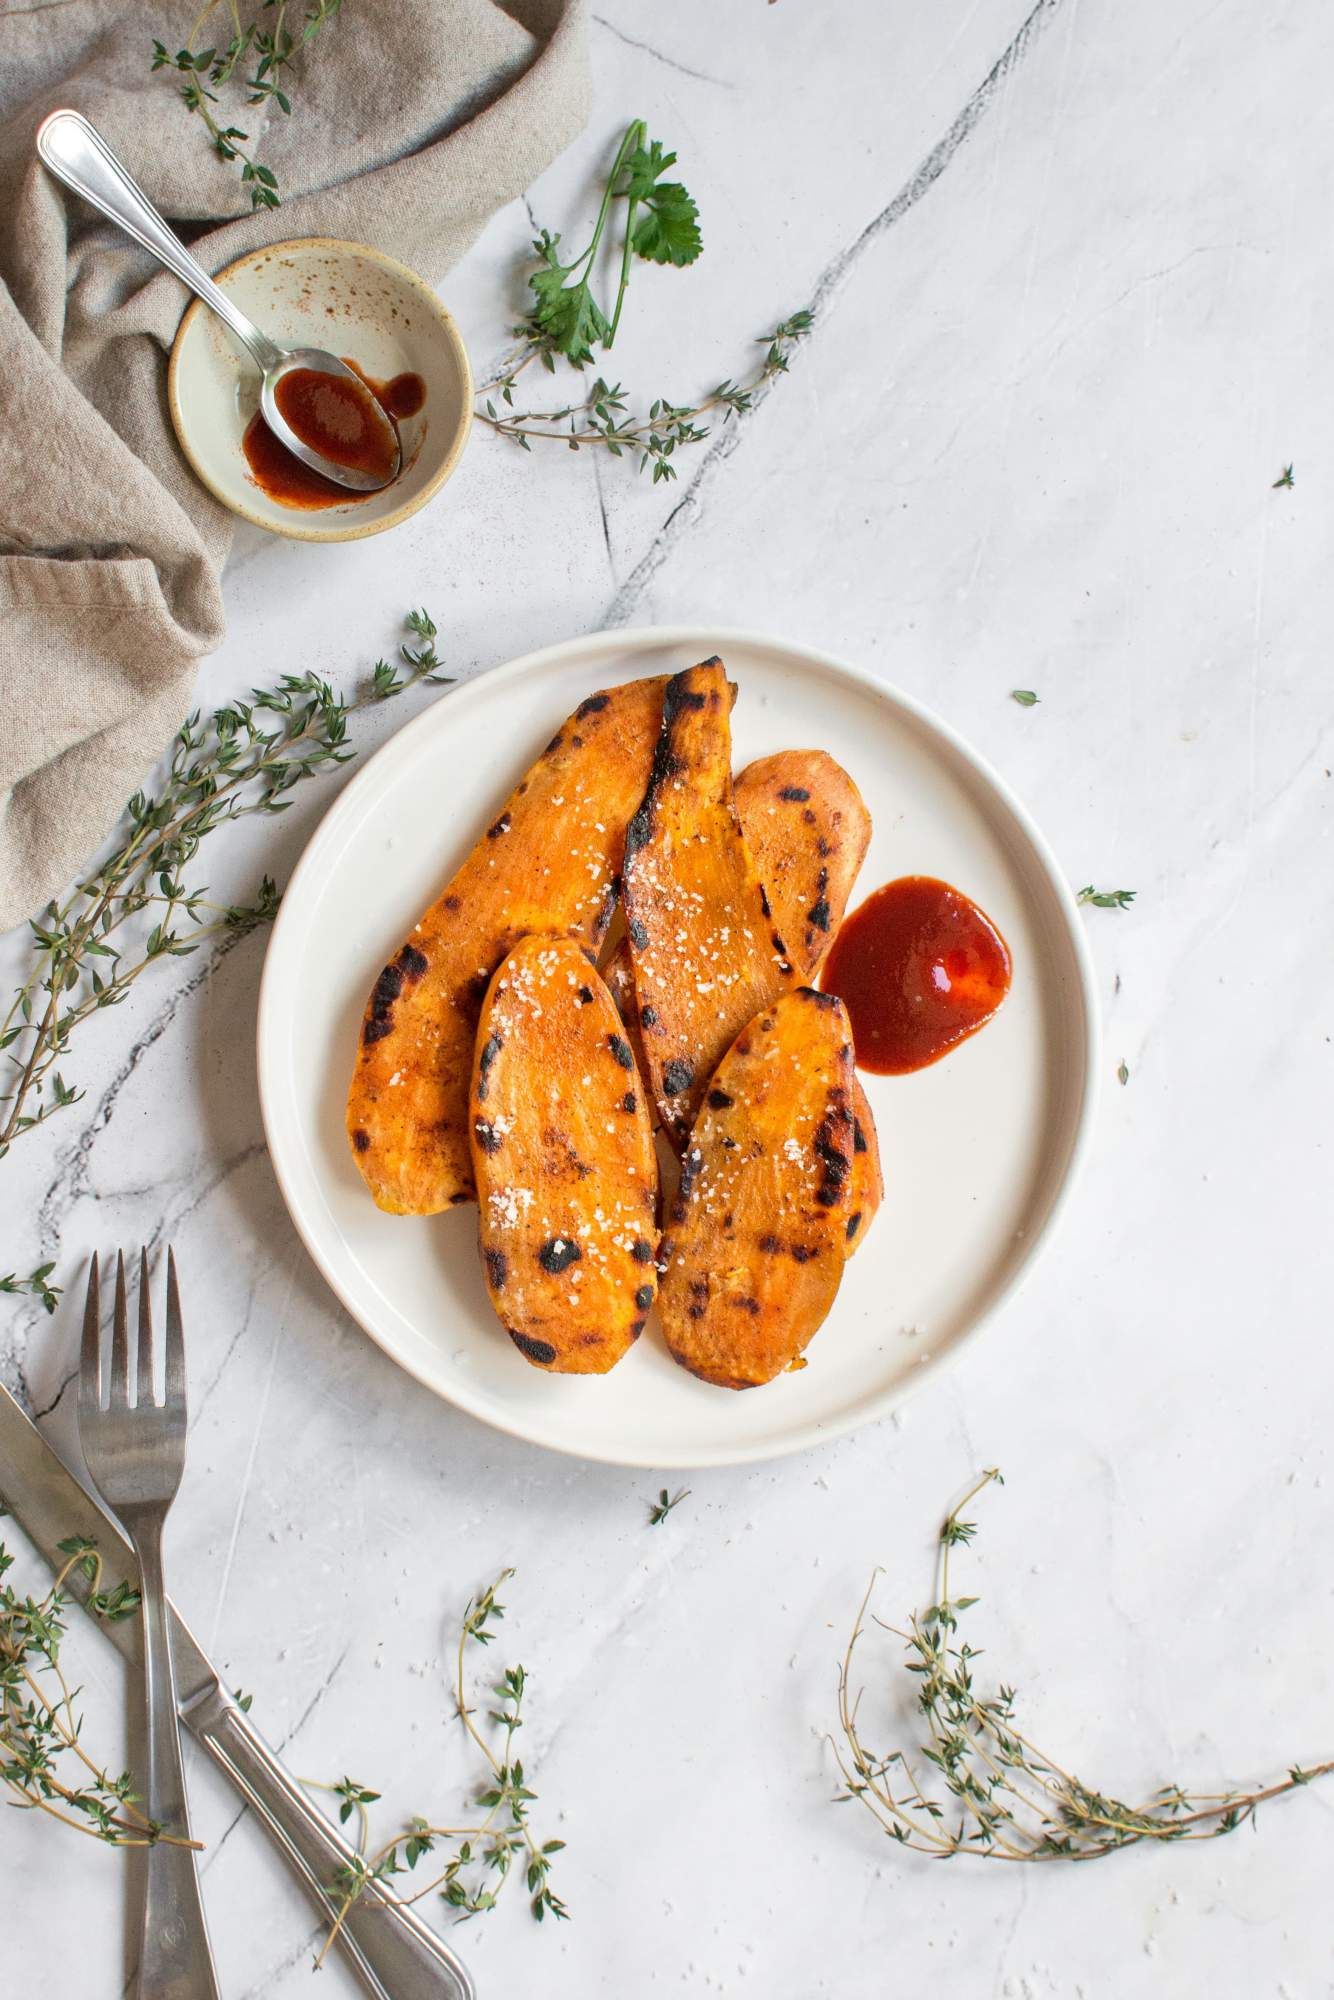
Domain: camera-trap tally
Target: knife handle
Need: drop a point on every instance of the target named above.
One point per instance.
(395, 1954)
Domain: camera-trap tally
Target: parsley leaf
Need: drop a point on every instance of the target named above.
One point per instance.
(669, 232)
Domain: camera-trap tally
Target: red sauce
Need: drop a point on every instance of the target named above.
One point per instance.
(332, 416)
(919, 968)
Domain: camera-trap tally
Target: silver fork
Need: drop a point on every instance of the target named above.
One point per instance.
(135, 1455)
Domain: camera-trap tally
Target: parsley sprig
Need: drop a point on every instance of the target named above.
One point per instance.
(473, 1861)
(1005, 1799)
(137, 909)
(568, 323)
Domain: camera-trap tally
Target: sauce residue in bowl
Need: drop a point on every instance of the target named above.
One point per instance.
(331, 416)
(919, 968)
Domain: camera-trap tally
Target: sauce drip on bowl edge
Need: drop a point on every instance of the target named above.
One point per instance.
(329, 415)
(919, 968)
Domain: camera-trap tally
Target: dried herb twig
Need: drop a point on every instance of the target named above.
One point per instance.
(1005, 1799)
(136, 908)
(497, 1844)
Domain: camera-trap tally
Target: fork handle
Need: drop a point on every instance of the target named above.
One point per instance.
(175, 1962)
(395, 1955)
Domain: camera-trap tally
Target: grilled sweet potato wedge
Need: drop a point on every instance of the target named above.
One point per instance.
(705, 951)
(562, 1149)
(753, 1252)
(808, 830)
(549, 862)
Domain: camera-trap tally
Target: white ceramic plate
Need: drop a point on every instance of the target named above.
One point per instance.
(979, 1150)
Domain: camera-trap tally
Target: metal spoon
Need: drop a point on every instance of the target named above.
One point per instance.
(78, 155)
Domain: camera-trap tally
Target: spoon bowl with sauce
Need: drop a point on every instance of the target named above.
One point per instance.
(318, 407)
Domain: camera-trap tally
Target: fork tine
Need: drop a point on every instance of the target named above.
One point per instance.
(143, 1385)
(90, 1353)
(174, 1392)
(120, 1342)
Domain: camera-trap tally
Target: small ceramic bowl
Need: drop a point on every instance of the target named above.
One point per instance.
(358, 303)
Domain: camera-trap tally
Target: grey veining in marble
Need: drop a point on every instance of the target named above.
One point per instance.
(1071, 271)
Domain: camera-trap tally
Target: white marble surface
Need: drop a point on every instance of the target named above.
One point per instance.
(1072, 324)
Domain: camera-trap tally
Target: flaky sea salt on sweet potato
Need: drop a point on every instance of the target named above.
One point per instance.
(705, 952)
(548, 862)
(567, 1176)
(753, 1252)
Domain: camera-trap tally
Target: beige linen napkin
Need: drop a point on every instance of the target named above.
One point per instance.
(414, 120)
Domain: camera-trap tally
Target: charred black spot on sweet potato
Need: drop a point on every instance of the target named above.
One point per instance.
(622, 1051)
(770, 1244)
(375, 1031)
(690, 1167)
(577, 741)
(490, 1049)
(818, 999)
(554, 744)
(499, 826)
(858, 1137)
(638, 934)
(608, 909)
(719, 1100)
(585, 996)
(540, 1351)
(593, 705)
(497, 1268)
(764, 901)
(456, 1200)
(696, 1311)
(644, 1297)
(778, 945)
(648, 1017)
(797, 792)
(387, 989)
(854, 1224)
(486, 1135)
(751, 1306)
(361, 1140)
(636, 1328)
(413, 962)
(558, 1253)
(824, 849)
(802, 1255)
(678, 1077)
(678, 697)
(642, 1251)
(629, 1102)
(451, 902)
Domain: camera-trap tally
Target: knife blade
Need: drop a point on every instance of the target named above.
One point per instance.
(396, 1955)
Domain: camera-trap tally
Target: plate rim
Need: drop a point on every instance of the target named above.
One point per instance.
(642, 638)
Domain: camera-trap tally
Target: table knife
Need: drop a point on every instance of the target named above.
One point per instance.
(395, 1955)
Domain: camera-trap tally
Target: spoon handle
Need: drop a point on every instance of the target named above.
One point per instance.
(81, 157)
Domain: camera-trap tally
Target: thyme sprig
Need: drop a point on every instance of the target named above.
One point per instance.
(137, 909)
(265, 40)
(44, 1764)
(604, 420)
(494, 1846)
(1005, 1799)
